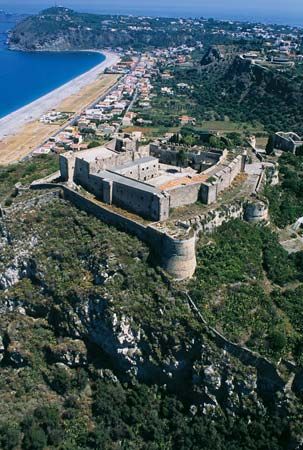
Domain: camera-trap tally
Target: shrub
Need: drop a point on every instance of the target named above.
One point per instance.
(9, 436)
(61, 382)
(34, 438)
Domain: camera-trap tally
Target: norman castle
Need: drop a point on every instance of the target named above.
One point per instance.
(149, 180)
(148, 190)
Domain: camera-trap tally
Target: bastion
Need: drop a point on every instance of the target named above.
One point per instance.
(130, 187)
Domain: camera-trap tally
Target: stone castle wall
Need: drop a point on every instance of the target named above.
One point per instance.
(143, 202)
(184, 195)
(222, 179)
(177, 257)
(202, 160)
(113, 188)
(141, 170)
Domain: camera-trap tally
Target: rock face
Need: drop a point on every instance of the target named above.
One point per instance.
(71, 352)
(82, 305)
(2, 348)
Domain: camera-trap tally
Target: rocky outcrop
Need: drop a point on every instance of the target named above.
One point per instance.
(211, 56)
(22, 266)
(2, 348)
(96, 322)
(71, 352)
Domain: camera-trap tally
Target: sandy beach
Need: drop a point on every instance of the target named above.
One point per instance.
(12, 123)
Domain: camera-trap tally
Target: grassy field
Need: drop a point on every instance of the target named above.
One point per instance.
(231, 127)
(222, 127)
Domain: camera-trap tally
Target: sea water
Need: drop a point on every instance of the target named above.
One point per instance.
(26, 76)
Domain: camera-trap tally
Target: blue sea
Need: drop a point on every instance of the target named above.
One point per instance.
(26, 76)
(266, 11)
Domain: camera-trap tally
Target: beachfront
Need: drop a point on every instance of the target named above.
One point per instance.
(13, 122)
(21, 132)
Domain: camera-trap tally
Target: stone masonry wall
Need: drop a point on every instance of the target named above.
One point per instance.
(177, 257)
(184, 195)
(204, 159)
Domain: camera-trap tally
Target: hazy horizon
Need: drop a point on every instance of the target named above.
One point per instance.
(269, 11)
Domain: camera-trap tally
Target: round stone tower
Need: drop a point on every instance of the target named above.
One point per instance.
(179, 257)
(256, 211)
(176, 256)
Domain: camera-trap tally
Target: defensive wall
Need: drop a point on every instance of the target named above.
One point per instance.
(122, 178)
(253, 210)
(184, 195)
(288, 142)
(199, 160)
(113, 187)
(220, 180)
(176, 255)
(123, 187)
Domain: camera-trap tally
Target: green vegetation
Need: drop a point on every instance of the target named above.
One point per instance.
(227, 92)
(81, 30)
(270, 145)
(286, 199)
(83, 278)
(25, 173)
(190, 136)
(233, 285)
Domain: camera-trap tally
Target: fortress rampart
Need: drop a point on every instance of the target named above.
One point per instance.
(125, 186)
(175, 255)
(200, 159)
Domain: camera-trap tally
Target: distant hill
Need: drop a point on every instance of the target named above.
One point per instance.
(63, 29)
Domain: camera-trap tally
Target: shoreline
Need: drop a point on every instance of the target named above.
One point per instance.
(11, 123)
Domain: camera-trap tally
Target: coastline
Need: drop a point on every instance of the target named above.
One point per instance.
(10, 124)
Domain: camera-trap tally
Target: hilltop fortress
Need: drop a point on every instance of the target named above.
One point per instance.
(146, 181)
(145, 190)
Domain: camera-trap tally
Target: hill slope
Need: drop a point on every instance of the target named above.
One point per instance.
(231, 87)
(64, 29)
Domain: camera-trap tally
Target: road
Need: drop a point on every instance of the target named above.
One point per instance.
(73, 120)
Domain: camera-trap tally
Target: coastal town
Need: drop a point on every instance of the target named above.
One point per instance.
(131, 95)
(120, 107)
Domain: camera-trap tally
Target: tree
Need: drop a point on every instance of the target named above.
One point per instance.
(181, 158)
(34, 438)
(277, 340)
(93, 144)
(61, 381)
(299, 151)
(270, 145)
(9, 436)
(215, 142)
